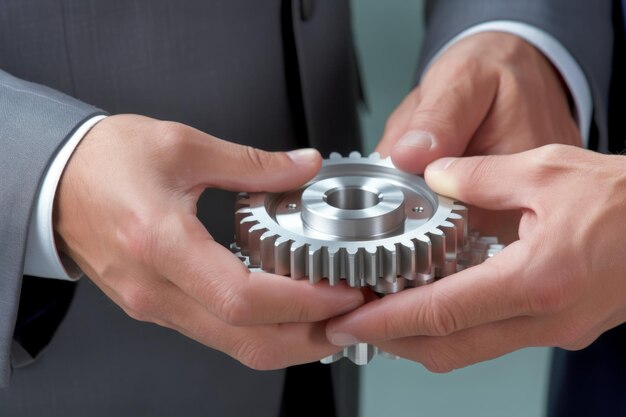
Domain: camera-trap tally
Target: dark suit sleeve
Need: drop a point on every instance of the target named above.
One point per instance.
(583, 27)
(34, 122)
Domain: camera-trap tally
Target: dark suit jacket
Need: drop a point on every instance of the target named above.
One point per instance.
(275, 74)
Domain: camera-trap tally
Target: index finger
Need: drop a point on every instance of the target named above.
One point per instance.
(489, 292)
(218, 280)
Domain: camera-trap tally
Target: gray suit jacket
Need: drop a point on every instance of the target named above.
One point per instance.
(272, 74)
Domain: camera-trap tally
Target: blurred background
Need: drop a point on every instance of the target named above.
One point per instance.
(388, 35)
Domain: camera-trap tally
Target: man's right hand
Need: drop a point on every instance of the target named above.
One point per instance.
(126, 214)
(491, 93)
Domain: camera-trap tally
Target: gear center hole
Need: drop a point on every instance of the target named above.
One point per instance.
(352, 198)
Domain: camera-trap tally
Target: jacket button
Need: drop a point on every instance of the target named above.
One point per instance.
(306, 9)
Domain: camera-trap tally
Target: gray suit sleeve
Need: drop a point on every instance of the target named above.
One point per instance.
(583, 27)
(34, 122)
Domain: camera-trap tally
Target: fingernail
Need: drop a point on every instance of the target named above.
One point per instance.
(417, 139)
(440, 164)
(303, 156)
(343, 339)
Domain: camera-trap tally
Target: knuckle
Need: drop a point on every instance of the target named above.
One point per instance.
(438, 361)
(470, 64)
(545, 302)
(548, 153)
(577, 344)
(451, 67)
(429, 117)
(553, 295)
(479, 172)
(395, 325)
(170, 135)
(135, 315)
(234, 307)
(258, 160)
(258, 356)
(138, 237)
(140, 303)
(298, 313)
(441, 318)
(572, 336)
(546, 160)
(441, 322)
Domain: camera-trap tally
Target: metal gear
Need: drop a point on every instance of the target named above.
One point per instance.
(361, 220)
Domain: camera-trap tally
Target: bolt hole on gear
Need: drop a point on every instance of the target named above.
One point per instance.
(363, 221)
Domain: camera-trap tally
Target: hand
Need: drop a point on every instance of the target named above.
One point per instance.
(491, 93)
(563, 283)
(126, 214)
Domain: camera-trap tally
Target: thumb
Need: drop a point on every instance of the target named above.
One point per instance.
(230, 166)
(493, 182)
(451, 108)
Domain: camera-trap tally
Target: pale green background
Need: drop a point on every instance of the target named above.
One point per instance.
(388, 34)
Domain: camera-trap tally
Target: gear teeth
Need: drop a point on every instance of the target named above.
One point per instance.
(390, 282)
(390, 286)
(374, 155)
(361, 353)
(424, 261)
(424, 255)
(317, 264)
(244, 233)
(240, 214)
(334, 155)
(298, 260)
(354, 267)
(388, 355)
(243, 200)
(341, 264)
(333, 358)
(494, 249)
(354, 155)
(449, 230)
(390, 262)
(438, 250)
(254, 244)
(408, 259)
(459, 218)
(282, 246)
(241, 203)
(371, 265)
(336, 264)
(267, 251)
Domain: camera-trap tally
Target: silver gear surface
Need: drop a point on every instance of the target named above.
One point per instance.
(363, 221)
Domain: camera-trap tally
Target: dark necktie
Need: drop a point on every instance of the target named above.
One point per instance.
(624, 16)
(43, 304)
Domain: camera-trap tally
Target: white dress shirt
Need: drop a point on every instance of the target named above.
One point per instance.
(43, 259)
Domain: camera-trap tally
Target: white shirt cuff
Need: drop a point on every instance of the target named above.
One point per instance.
(42, 258)
(559, 56)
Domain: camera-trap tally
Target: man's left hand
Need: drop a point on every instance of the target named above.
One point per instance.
(563, 283)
